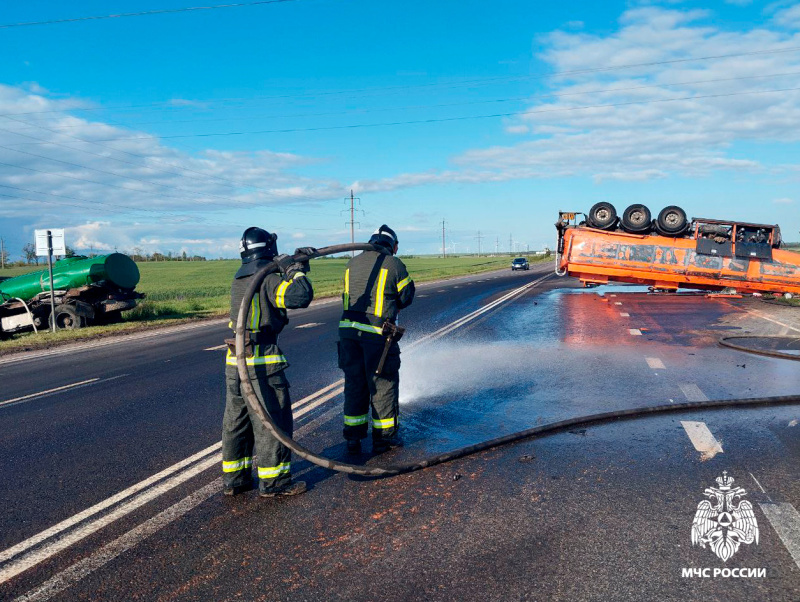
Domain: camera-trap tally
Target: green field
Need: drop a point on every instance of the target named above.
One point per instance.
(186, 289)
(183, 290)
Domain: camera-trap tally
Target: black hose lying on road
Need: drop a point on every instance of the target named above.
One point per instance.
(249, 394)
(788, 343)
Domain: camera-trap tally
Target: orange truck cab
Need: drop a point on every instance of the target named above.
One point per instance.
(669, 254)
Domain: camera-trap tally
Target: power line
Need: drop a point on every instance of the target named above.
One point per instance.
(449, 119)
(488, 80)
(411, 107)
(162, 11)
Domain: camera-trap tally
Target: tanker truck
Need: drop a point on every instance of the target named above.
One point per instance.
(672, 252)
(87, 291)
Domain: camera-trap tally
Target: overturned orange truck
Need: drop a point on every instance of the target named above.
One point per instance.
(672, 252)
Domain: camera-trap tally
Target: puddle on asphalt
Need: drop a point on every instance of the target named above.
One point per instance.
(561, 354)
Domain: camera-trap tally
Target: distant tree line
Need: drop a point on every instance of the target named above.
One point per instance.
(29, 257)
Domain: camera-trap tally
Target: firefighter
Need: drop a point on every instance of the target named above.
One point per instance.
(376, 287)
(288, 288)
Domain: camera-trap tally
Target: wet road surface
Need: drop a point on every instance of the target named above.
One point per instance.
(598, 513)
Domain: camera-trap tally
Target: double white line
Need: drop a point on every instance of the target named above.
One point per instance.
(29, 553)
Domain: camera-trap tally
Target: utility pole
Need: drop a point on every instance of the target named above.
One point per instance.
(479, 238)
(2, 254)
(352, 221)
(444, 252)
(497, 246)
(510, 245)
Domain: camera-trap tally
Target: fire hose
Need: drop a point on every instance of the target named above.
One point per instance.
(249, 395)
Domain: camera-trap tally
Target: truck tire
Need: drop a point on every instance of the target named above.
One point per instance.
(637, 219)
(67, 318)
(602, 216)
(671, 221)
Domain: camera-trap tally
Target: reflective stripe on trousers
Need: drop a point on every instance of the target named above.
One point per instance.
(386, 423)
(355, 420)
(236, 465)
(270, 472)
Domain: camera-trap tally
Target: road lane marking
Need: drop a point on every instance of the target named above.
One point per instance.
(217, 347)
(702, 439)
(624, 314)
(108, 552)
(319, 402)
(332, 390)
(635, 332)
(655, 363)
(785, 519)
(764, 491)
(441, 291)
(310, 325)
(692, 392)
(73, 386)
(316, 394)
(617, 303)
(767, 318)
(17, 549)
(38, 555)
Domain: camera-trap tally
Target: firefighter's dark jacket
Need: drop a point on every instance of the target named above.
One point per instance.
(267, 315)
(376, 287)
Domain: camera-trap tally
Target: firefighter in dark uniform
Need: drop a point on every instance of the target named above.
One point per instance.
(287, 289)
(376, 287)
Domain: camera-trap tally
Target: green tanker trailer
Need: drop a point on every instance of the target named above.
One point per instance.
(87, 291)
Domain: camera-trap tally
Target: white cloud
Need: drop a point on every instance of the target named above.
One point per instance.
(788, 17)
(784, 201)
(666, 117)
(59, 168)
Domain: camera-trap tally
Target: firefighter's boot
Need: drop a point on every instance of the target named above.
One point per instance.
(293, 488)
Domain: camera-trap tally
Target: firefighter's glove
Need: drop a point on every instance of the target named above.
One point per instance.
(310, 251)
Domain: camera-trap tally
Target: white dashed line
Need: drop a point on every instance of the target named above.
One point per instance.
(692, 392)
(41, 393)
(635, 332)
(624, 314)
(216, 348)
(702, 439)
(617, 303)
(310, 325)
(655, 363)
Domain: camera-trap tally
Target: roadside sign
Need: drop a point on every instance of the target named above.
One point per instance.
(42, 247)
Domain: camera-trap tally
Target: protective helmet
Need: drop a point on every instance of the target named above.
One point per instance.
(257, 243)
(384, 237)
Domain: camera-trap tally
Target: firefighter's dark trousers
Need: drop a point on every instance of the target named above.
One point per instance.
(240, 432)
(359, 359)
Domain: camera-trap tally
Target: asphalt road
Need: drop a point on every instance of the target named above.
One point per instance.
(598, 513)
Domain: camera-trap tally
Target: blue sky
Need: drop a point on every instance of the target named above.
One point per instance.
(122, 130)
